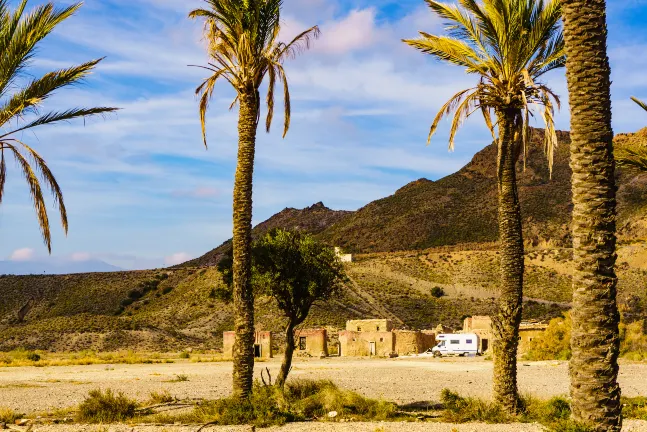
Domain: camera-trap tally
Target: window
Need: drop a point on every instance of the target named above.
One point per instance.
(354, 340)
(468, 341)
(519, 337)
(359, 329)
(302, 343)
(454, 342)
(378, 328)
(381, 339)
(530, 339)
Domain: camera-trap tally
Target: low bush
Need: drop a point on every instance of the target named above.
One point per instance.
(8, 415)
(160, 397)
(554, 413)
(300, 400)
(437, 292)
(554, 343)
(106, 407)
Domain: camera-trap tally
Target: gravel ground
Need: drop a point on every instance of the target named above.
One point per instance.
(403, 380)
(630, 426)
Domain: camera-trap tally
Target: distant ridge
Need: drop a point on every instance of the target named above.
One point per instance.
(313, 219)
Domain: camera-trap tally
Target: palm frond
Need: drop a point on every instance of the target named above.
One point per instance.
(48, 177)
(36, 193)
(37, 91)
(56, 117)
(3, 173)
(640, 103)
(242, 44)
(632, 159)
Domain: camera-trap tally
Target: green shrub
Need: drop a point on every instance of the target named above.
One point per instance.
(8, 415)
(635, 408)
(437, 292)
(32, 356)
(184, 355)
(459, 409)
(633, 341)
(106, 407)
(554, 343)
(300, 400)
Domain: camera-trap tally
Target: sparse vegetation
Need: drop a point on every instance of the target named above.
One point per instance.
(106, 407)
(8, 415)
(300, 400)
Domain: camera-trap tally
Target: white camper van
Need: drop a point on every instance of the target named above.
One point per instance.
(456, 344)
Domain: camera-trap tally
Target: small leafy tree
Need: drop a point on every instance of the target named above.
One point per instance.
(297, 271)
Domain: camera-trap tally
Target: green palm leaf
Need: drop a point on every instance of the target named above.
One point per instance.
(510, 44)
(244, 50)
(20, 34)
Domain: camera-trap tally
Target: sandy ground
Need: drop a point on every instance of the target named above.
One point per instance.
(403, 380)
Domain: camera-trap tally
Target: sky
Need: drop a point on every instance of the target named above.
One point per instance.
(143, 192)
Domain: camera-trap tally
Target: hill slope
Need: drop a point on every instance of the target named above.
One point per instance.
(184, 306)
(313, 219)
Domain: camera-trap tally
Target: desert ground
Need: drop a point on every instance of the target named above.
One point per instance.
(405, 380)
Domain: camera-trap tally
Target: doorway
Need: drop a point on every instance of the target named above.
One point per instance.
(371, 348)
(302, 343)
(257, 350)
(484, 345)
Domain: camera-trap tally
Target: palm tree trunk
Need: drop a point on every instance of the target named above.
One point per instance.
(243, 352)
(508, 317)
(595, 340)
(287, 357)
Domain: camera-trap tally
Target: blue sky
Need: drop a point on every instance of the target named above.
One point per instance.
(142, 191)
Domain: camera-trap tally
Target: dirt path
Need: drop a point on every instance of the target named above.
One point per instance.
(403, 380)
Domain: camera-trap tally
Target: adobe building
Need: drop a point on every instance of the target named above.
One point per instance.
(482, 326)
(343, 257)
(377, 338)
(262, 344)
(312, 342)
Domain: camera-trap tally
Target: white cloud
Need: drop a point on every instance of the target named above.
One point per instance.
(177, 258)
(24, 254)
(80, 256)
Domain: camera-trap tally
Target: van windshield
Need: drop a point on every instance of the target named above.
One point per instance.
(441, 344)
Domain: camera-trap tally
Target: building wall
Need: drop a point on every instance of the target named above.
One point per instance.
(374, 325)
(316, 341)
(358, 343)
(413, 342)
(528, 335)
(482, 326)
(262, 338)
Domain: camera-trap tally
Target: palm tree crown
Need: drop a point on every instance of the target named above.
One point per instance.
(634, 159)
(20, 33)
(243, 46)
(510, 44)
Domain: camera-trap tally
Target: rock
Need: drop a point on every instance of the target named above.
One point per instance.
(22, 422)
(332, 414)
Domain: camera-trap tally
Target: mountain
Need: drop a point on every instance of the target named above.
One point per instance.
(443, 233)
(313, 219)
(52, 266)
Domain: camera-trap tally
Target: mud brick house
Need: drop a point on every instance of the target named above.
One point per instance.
(262, 344)
(367, 338)
(482, 326)
(311, 342)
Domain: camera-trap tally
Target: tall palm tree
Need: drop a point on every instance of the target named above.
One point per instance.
(510, 44)
(243, 48)
(22, 99)
(595, 340)
(634, 159)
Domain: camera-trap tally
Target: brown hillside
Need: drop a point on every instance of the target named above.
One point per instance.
(313, 219)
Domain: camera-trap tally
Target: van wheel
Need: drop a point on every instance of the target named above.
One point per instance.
(437, 354)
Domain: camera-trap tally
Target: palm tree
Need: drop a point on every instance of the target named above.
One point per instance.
(243, 48)
(634, 159)
(595, 338)
(510, 44)
(20, 34)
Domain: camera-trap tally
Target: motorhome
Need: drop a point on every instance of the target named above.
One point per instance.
(456, 344)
